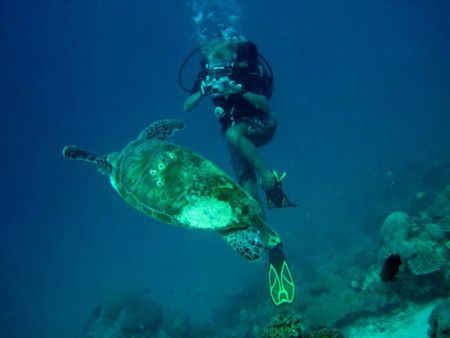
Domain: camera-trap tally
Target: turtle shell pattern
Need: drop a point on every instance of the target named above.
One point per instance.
(177, 186)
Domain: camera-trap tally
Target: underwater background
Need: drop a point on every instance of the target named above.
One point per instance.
(362, 95)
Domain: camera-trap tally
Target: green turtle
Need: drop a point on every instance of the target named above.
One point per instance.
(177, 186)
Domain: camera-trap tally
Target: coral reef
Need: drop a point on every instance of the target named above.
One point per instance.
(394, 234)
(289, 325)
(428, 257)
(439, 321)
(344, 290)
(348, 287)
(421, 240)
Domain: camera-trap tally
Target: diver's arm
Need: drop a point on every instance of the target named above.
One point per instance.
(192, 101)
(256, 100)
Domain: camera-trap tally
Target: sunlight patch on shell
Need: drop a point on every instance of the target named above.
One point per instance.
(206, 213)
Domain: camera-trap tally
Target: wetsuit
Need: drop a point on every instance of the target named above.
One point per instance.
(261, 124)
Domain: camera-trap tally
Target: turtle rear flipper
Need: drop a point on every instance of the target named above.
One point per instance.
(246, 242)
(281, 281)
(162, 129)
(76, 153)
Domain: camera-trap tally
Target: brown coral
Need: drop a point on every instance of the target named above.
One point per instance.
(288, 325)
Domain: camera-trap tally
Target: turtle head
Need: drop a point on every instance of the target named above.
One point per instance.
(268, 236)
(246, 242)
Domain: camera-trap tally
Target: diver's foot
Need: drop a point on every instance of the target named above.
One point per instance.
(276, 198)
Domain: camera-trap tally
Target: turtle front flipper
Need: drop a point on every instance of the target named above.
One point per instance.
(76, 153)
(246, 242)
(281, 281)
(162, 129)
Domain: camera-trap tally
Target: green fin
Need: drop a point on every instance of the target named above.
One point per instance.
(281, 281)
(276, 198)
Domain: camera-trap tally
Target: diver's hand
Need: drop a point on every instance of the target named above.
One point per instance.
(235, 88)
(221, 87)
(204, 88)
(218, 87)
(213, 88)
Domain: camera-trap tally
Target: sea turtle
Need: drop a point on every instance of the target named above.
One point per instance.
(177, 186)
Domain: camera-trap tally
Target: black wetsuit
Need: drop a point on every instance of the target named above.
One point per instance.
(261, 125)
(252, 78)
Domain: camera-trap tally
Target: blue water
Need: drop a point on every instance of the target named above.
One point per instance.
(362, 97)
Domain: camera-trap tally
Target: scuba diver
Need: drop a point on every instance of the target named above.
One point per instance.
(240, 86)
(239, 82)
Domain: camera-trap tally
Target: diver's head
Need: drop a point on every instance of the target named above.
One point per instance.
(221, 49)
(220, 55)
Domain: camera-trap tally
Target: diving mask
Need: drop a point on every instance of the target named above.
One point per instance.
(218, 71)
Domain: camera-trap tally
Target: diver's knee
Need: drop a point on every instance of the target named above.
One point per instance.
(236, 134)
(233, 135)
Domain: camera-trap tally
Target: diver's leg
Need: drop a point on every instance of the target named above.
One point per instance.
(245, 174)
(236, 136)
(247, 180)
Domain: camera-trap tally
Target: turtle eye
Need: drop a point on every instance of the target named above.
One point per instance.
(152, 172)
(159, 183)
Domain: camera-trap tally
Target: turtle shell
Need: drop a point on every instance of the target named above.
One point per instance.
(177, 186)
